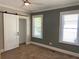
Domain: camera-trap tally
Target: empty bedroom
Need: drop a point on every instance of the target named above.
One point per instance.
(39, 29)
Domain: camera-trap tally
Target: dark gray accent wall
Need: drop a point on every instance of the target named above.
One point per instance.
(1, 31)
(51, 28)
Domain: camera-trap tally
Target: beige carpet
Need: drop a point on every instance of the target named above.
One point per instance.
(34, 52)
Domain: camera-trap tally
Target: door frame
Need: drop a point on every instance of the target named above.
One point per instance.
(28, 33)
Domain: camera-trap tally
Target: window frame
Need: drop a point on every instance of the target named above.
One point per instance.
(41, 25)
(61, 24)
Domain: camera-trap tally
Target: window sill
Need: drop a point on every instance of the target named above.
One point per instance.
(37, 38)
(69, 43)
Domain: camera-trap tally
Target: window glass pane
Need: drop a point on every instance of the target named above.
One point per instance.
(70, 28)
(70, 21)
(37, 27)
(70, 35)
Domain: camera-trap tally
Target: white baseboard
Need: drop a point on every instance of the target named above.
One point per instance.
(28, 43)
(1, 51)
(57, 49)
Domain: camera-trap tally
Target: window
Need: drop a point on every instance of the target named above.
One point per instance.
(37, 26)
(69, 27)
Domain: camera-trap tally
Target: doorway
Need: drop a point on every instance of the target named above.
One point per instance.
(22, 31)
(16, 31)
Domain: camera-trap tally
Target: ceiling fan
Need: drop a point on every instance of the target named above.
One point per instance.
(26, 2)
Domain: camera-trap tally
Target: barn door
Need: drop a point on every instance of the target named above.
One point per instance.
(11, 30)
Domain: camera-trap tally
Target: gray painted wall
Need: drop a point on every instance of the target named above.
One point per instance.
(51, 29)
(1, 31)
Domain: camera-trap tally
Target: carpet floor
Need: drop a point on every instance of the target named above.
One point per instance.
(34, 52)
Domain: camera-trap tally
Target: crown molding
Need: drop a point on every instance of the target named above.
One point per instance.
(55, 7)
(10, 7)
(41, 9)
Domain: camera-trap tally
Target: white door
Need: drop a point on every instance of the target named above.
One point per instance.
(11, 30)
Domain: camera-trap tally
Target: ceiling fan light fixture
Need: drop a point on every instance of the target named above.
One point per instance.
(26, 2)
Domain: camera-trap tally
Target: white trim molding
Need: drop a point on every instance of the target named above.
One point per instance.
(56, 7)
(1, 51)
(27, 43)
(56, 49)
(6, 6)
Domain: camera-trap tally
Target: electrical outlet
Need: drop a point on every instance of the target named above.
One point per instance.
(50, 43)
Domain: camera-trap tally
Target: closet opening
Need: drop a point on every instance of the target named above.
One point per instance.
(22, 31)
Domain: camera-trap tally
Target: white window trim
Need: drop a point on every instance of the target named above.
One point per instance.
(61, 26)
(41, 26)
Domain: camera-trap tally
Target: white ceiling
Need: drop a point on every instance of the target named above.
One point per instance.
(37, 5)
